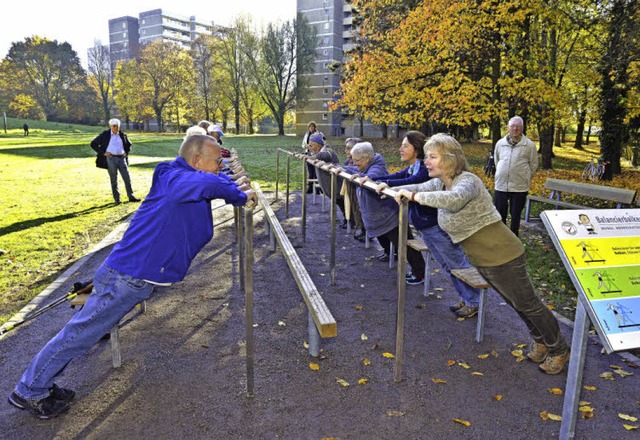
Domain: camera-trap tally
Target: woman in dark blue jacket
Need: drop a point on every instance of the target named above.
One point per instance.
(425, 219)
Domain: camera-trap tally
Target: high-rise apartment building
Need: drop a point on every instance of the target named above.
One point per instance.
(333, 22)
(128, 34)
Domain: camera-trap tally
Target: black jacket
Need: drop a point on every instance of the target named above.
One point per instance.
(101, 142)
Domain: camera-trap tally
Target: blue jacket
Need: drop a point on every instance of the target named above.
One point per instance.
(173, 223)
(379, 215)
(421, 216)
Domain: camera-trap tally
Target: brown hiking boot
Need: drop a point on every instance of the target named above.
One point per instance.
(554, 364)
(467, 312)
(537, 352)
(456, 306)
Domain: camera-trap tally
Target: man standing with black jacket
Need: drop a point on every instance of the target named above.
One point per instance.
(115, 146)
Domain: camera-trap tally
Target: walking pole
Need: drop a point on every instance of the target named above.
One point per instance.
(77, 290)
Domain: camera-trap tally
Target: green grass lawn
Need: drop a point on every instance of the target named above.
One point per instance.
(56, 205)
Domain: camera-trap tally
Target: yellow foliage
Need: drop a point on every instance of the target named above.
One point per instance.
(462, 422)
(314, 366)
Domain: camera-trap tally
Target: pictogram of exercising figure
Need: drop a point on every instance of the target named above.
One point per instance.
(601, 282)
(585, 251)
(620, 313)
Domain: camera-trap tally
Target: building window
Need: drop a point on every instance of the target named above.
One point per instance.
(326, 25)
(325, 91)
(124, 35)
(325, 116)
(325, 104)
(326, 40)
(326, 51)
(124, 25)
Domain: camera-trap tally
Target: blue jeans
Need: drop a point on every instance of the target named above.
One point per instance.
(450, 256)
(114, 165)
(114, 294)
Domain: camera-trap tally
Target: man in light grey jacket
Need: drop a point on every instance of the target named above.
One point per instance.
(516, 162)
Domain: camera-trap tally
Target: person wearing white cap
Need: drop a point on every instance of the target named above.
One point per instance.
(215, 131)
(113, 144)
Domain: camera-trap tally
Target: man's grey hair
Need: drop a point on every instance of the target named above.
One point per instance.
(350, 142)
(193, 145)
(518, 120)
(114, 121)
(364, 150)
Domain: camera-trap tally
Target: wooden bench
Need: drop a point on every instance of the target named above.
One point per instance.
(115, 331)
(472, 277)
(319, 314)
(419, 245)
(559, 187)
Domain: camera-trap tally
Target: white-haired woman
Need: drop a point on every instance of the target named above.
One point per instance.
(467, 214)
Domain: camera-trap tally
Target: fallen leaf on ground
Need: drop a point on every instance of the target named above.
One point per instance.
(607, 375)
(366, 361)
(438, 380)
(494, 353)
(518, 355)
(438, 289)
(583, 403)
(460, 319)
(521, 345)
(556, 391)
(342, 382)
(436, 271)
(464, 365)
(305, 344)
(363, 337)
(282, 324)
(544, 415)
(615, 367)
(630, 427)
(394, 413)
(388, 355)
(363, 381)
(498, 397)
(477, 373)
(462, 422)
(313, 366)
(451, 363)
(483, 356)
(438, 296)
(622, 373)
(358, 307)
(586, 412)
(551, 307)
(330, 438)
(589, 388)
(627, 417)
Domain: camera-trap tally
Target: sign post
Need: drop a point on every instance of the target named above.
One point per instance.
(600, 249)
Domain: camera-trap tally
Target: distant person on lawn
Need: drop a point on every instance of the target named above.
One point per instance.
(516, 161)
(166, 233)
(25, 127)
(115, 146)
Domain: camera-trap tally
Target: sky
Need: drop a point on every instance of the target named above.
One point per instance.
(81, 23)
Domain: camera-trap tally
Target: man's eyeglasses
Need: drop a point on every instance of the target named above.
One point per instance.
(219, 160)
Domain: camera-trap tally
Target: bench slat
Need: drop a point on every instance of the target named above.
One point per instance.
(471, 276)
(618, 195)
(324, 320)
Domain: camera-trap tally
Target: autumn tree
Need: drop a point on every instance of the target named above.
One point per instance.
(101, 76)
(164, 69)
(621, 29)
(204, 62)
(50, 73)
(287, 52)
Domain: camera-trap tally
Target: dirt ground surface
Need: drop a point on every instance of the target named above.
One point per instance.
(183, 372)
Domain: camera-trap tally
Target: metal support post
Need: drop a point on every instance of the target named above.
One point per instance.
(403, 225)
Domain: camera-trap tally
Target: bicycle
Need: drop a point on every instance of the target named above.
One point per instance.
(594, 170)
(490, 166)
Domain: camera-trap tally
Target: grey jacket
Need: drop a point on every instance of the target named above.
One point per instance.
(326, 154)
(463, 210)
(515, 165)
(379, 215)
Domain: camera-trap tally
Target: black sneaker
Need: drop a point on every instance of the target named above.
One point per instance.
(64, 394)
(382, 257)
(361, 237)
(414, 280)
(344, 224)
(43, 409)
(134, 199)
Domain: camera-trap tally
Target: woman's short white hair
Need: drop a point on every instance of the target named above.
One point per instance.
(196, 129)
(364, 150)
(114, 121)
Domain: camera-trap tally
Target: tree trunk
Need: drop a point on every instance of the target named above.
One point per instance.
(582, 119)
(546, 145)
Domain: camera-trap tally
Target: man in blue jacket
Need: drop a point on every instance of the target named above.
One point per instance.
(169, 229)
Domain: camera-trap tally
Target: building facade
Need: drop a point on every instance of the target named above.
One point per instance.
(128, 34)
(333, 22)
